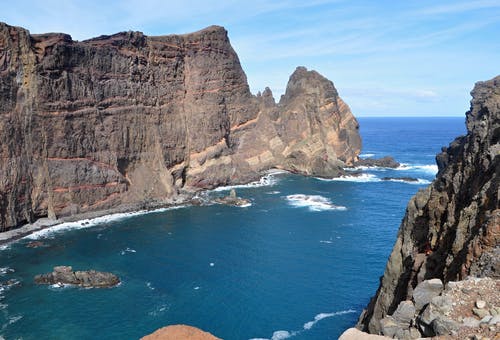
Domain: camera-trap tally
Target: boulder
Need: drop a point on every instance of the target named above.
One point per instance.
(389, 326)
(356, 334)
(444, 326)
(471, 322)
(405, 313)
(425, 291)
(481, 313)
(88, 279)
(433, 320)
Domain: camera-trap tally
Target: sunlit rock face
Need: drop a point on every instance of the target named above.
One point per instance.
(130, 120)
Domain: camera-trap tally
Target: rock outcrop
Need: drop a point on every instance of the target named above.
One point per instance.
(176, 332)
(131, 120)
(64, 275)
(451, 228)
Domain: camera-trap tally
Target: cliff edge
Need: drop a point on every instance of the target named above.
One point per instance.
(451, 228)
(128, 120)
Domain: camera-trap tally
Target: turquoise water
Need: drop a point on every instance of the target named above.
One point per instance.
(287, 266)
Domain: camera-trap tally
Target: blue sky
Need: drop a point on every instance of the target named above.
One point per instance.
(414, 57)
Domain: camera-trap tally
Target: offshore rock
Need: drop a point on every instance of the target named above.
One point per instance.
(62, 275)
(233, 200)
(451, 229)
(131, 121)
(384, 162)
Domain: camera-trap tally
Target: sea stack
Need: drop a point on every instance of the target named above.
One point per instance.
(131, 121)
(450, 232)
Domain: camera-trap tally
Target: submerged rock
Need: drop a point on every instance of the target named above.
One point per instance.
(178, 332)
(90, 278)
(35, 244)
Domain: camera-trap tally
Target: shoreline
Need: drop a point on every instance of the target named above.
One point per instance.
(13, 235)
(181, 199)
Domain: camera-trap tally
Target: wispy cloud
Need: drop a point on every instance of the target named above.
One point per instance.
(465, 6)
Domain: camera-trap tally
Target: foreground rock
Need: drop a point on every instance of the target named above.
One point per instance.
(451, 229)
(178, 332)
(134, 121)
(463, 309)
(356, 334)
(89, 279)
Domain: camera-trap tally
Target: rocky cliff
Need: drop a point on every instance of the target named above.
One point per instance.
(452, 228)
(127, 120)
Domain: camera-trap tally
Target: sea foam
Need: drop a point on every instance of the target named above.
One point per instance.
(431, 169)
(363, 178)
(283, 334)
(313, 202)
(87, 223)
(269, 179)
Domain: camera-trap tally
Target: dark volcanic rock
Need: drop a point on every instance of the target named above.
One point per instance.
(452, 228)
(128, 120)
(384, 162)
(89, 278)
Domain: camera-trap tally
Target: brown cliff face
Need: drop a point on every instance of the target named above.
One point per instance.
(452, 228)
(129, 120)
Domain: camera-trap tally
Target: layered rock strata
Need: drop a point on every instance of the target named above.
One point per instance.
(451, 228)
(129, 119)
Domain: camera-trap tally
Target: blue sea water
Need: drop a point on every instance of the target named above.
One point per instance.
(301, 262)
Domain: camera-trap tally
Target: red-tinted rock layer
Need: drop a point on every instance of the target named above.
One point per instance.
(130, 120)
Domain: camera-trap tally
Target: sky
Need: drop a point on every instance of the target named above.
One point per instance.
(386, 58)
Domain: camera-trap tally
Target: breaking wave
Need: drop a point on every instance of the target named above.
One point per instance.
(313, 202)
(431, 169)
(283, 334)
(367, 178)
(87, 223)
(269, 179)
(363, 178)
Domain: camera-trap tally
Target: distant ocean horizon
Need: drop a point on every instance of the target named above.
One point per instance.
(301, 261)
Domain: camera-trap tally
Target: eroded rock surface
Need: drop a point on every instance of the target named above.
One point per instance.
(451, 228)
(131, 120)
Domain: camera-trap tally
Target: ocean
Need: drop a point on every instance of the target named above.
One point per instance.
(301, 262)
